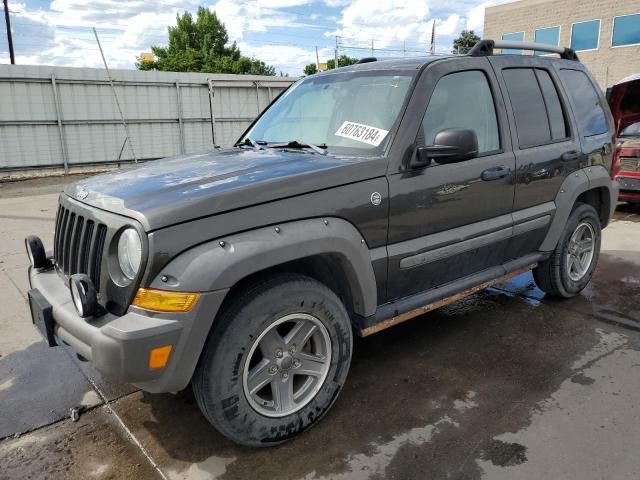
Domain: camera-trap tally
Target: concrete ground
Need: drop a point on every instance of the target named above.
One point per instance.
(504, 384)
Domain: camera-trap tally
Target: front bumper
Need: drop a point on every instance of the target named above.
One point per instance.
(629, 186)
(120, 346)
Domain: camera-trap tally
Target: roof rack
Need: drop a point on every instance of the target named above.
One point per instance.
(367, 60)
(484, 48)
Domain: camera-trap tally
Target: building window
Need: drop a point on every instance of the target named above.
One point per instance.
(585, 35)
(548, 36)
(626, 30)
(512, 37)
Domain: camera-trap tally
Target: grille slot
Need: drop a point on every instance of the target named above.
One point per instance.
(630, 164)
(79, 244)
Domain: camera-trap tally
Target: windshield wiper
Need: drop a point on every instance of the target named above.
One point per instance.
(320, 149)
(249, 142)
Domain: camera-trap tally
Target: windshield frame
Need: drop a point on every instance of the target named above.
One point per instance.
(371, 153)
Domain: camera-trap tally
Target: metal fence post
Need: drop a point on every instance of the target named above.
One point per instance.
(258, 96)
(63, 140)
(213, 115)
(180, 122)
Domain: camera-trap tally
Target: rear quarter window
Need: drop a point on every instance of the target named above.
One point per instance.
(589, 111)
(536, 106)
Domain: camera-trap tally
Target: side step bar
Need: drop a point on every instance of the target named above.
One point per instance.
(407, 308)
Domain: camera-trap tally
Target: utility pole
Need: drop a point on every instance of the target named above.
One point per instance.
(336, 53)
(404, 48)
(9, 35)
(317, 60)
(372, 47)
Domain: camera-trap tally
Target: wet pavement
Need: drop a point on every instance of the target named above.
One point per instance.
(504, 384)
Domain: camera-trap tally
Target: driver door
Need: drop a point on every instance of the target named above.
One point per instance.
(448, 221)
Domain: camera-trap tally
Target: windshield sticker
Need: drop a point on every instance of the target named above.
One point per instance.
(362, 133)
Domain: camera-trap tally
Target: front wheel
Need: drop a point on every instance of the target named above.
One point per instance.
(571, 265)
(275, 360)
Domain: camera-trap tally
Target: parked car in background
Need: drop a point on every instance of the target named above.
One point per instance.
(624, 100)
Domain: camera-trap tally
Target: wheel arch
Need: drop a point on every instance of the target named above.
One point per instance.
(590, 185)
(330, 250)
(600, 200)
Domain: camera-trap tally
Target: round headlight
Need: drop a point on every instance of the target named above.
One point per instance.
(130, 253)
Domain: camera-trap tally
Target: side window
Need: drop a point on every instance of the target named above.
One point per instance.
(528, 107)
(589, 111)
(463, 100)
(536, 106)
(557, 120)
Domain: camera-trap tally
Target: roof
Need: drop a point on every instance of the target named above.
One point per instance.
(390, 63)
(630, 78)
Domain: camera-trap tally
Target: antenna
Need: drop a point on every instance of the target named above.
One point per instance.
(115, 96)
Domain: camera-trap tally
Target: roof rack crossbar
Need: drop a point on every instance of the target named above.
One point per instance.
(484, 48)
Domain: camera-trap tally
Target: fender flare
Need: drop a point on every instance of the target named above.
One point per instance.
(221, 263)
(573, 186)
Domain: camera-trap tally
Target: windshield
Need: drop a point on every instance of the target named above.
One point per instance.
(349, 113)
(632, 130)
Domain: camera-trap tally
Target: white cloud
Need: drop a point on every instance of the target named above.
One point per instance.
(475, 16)
(241, 16)
(61, 34)
(337, 3)
(284, 58)
(385, 21)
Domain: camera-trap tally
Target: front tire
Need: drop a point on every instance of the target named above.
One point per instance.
(275, 360)
(571, 265)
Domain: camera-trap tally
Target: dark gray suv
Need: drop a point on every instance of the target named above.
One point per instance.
(362, 197)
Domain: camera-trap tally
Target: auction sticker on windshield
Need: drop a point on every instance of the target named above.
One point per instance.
(362, 133)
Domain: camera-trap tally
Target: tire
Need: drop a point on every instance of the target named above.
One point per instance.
(250, 325)
(556, 275)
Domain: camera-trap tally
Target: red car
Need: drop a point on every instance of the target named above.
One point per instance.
(624, 100)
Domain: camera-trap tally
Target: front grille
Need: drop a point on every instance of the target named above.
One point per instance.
(630, 164)
(78, 244)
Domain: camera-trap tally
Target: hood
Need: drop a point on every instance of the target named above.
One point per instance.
(624, 101)
(165, 192)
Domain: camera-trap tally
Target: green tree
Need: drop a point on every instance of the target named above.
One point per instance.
(343, 61)
(465, 41)
(310, 69)
(202, 45)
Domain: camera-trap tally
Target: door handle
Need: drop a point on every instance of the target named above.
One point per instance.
(567, 156)
(495, 173)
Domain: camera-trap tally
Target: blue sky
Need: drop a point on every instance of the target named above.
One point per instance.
(283, 33)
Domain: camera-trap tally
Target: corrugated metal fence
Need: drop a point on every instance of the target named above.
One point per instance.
(59, 117)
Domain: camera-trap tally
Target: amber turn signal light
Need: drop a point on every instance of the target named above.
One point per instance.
(164, 300)
(158, 357)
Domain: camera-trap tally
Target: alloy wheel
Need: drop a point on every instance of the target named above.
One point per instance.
(580, 251)
(287, 365)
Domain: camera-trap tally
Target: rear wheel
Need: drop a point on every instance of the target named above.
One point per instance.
(571, 265)
(275, 360)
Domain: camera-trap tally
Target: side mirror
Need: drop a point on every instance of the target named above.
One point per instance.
(450, 146)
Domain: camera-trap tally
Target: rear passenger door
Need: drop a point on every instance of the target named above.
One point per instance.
(546, 147)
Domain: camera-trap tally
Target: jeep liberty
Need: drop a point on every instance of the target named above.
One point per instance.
(360, 198)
